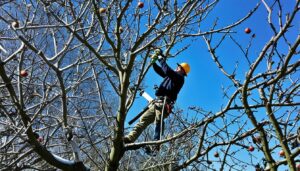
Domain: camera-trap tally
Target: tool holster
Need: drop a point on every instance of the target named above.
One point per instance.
(169, 104)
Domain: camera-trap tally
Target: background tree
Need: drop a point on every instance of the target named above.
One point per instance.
(70, 71)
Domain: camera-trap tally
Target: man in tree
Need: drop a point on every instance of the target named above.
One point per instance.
(166, 94)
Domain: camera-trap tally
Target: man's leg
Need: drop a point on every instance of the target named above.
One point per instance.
(158, 127)
(146, 119)
(158, 120)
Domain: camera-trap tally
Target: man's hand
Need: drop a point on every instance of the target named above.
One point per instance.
(153, 57)
(157, 55)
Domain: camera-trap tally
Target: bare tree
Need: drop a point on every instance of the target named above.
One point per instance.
(270, 86)
(70, 72)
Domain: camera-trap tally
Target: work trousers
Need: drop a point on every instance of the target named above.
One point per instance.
(153, 113)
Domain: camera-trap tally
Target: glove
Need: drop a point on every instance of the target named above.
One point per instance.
(154, 58)
(157, 55)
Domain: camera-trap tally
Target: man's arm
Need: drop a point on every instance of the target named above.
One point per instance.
(168, 71)
(158, 70)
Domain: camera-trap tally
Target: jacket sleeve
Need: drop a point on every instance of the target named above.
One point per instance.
(169, 71)
(158, 70)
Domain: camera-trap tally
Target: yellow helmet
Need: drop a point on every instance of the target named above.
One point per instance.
(186, 67)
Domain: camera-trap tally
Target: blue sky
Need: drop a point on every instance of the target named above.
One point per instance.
(203, 85)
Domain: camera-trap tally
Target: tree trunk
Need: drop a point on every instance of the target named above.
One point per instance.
(116, 153)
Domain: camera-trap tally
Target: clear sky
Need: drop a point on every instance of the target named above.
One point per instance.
(203, 85)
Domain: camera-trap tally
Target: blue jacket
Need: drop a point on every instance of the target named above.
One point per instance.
(172, 83)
